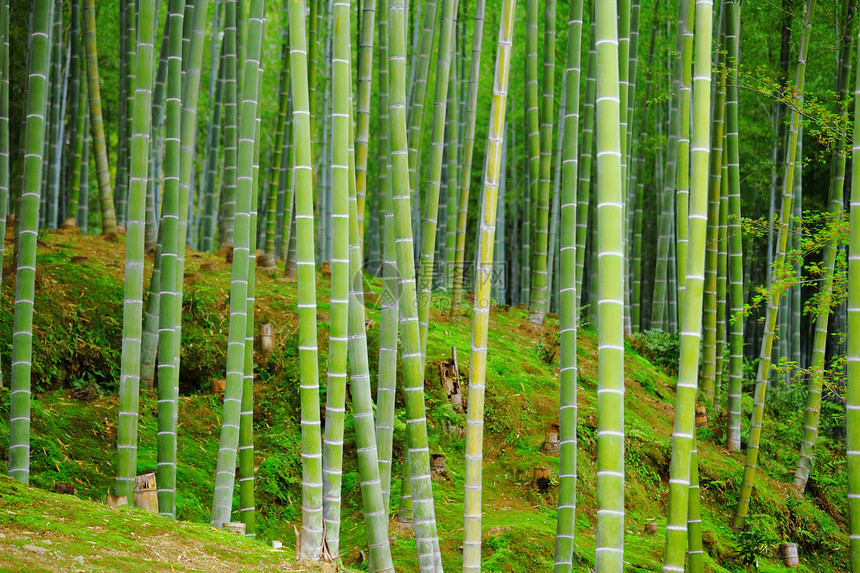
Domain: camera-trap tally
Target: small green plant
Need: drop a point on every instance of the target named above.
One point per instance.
(751, 545)
(662, 348)
(548, 348)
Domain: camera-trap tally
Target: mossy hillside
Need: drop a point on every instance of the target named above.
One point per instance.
(75, 440)
(45, 531)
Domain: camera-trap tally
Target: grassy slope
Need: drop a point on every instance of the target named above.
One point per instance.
(77, 341)
(44, 531)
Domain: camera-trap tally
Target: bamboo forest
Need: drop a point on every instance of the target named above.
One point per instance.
(413, 285)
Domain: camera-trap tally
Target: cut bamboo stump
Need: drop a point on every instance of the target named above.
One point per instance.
(146, 493)
(69, 225)
(437, 467)
(788, 553)
(542, 478)
(266, 261)
(325, 269)
(551, 444)
(218, 386)
(64, 488)
(267, 338)
(236, 527)
(449, 376)
(651, 528)
(701, 417)
(116, 500)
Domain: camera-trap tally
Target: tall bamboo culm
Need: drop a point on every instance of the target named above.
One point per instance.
(388, 313)
(426, 256)
(312, 527)
(568, 301)
(34, 142)
(96, 122)
(466, 161)
(230, 419)
(413, 379)
(167, 412)
(777, 281)
(736, 270)
(135, 226)
(853, 402)
(610, 303)
(541, 283)
(483, 280)
(815, 385)
(683, 438)
(339, 303)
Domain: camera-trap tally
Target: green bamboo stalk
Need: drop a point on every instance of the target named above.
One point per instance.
(375, 510)
(416, 427)
(568, 301)
(852, 418)
(154, 190)
(134, 257)
(585, 160)
(312, 530)
(815, 385)
(388, 314)
(683, 437)
(51, 191)
(660, 299)
(167, 272)
(124, 158)
(777, 278)
(466, 162)
(365, 73)
(209, 216)
(77, 120)
(532, 134)
(481, 313)
(722, 269)
(539, 303)
(709, 320)
(498, 288)
(526, 241)
(239, 285)
(683, 194)
(4, 128)
(415, 115)
(121, 177)
(74, 134)
(314, 18)
(610, 315)
(231, 92)
(339, 304)
(192, 65)
(83, 193)
(247, 511)
(96, 123)
(695, 554)
(452, 170)
(34, 141)
(624, 14)
(736, 285)
(275, 172)
(289, 191)
(434, 175)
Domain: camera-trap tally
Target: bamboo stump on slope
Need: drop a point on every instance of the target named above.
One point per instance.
(146, 493)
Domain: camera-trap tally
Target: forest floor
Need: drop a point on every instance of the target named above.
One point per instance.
(77, 336)
(45, 531)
